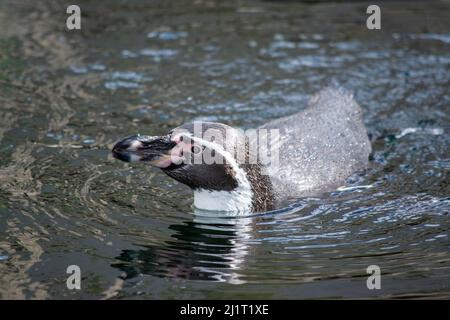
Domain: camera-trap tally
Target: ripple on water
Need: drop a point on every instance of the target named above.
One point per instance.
(64, 199)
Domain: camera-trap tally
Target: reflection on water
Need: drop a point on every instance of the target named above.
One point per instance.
(213, 249)
(67, 97)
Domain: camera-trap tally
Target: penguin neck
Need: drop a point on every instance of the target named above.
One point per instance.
(239, 200)
(254, 193)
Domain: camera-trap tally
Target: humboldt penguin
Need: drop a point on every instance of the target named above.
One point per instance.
(303, 154)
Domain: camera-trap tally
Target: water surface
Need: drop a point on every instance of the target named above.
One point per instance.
(66, 97)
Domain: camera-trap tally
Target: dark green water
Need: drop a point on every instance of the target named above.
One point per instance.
(66, 97)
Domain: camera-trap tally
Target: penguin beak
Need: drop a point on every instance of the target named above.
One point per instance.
(152, 149)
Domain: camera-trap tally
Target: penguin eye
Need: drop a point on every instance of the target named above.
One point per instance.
(196, 149)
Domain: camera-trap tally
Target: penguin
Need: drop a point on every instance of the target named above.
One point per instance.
(309, 152)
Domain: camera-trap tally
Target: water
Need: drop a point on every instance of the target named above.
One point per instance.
(66, 97)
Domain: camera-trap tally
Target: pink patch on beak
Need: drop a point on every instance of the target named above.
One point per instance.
(162, 162)
(175, 156)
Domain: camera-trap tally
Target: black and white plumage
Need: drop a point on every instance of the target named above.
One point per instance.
(317, 149)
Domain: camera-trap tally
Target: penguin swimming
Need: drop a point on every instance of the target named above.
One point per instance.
(311, 151)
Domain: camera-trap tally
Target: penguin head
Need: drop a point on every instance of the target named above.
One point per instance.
(201, 155)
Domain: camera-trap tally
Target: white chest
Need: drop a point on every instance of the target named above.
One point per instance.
(236, 200)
